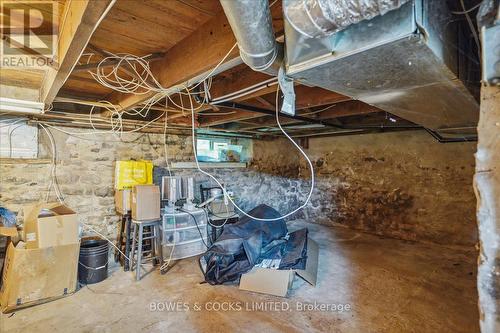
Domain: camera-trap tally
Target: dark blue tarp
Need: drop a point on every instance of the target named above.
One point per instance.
(7, 218)
(245, 243)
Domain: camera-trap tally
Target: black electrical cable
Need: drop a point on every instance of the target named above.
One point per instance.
(197, 227)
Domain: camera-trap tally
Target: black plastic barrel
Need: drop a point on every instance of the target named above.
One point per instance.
(93, 261)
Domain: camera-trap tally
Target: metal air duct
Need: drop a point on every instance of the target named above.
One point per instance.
(410, 62)
(251, 23)
(322, 18)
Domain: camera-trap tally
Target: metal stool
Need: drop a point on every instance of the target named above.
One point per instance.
(138, 237)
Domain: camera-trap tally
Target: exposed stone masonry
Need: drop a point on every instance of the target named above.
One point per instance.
(402, 185)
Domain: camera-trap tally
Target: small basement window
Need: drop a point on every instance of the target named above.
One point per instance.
(18, 140)
(223, 149)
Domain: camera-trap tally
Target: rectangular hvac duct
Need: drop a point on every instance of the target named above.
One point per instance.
(404, 62)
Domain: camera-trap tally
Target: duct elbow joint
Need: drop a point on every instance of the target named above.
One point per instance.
(251, 23)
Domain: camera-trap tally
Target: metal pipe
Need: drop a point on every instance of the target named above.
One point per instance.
(322, 18)
(251, 23)
(442, 139)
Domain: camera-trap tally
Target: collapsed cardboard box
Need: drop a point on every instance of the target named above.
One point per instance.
(145, 202)
(123, 201)
(37, 275)
(49, 224)
(279, 282)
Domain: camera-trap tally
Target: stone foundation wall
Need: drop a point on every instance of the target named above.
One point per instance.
(85, 172)
(402, 185)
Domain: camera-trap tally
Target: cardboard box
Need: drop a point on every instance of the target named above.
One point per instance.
(34, 276)
(49, 224)
(278, 282)
(145, 202)
(123, 201)
(8, 231)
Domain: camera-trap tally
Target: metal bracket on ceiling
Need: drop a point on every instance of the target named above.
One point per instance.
(286, 86)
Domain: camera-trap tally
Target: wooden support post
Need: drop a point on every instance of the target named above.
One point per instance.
(81, 19)
(487, 188)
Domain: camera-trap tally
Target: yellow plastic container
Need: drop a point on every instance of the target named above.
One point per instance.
(131, 173)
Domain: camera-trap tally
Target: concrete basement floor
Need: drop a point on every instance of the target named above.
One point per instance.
(390, 285)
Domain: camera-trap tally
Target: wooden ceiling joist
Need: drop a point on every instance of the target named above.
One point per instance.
(195, 55)
(80, 19)
(236, 79)
(345, 109)
(238, 115)
(306, 97)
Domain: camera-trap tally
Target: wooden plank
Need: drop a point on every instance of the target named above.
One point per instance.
(147, 27)
(239, 115)
(235, 79)
(80, 21)
(208, 7)
(487, 190)
(18, 161)
(18, 92)
(309, 97)
(196, 54)
(31, 78)
(306, 97)
(187, 59)
(351, 108)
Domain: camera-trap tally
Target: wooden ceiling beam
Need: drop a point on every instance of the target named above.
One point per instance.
(195, 55)
(81, 18)
(351, 108)
(309, 97)
(306, 97)
(219, 120)
(236, 79)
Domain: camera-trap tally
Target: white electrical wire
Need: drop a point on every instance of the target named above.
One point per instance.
(85, 225)
(468, 10)
(226, 196)
(139, 85)
(53, 178)
(105, 132)
(54, 183)
(246, 93)
(143, 80)
(139, 81)
(247, 90)
(165, 265)
(9, 135)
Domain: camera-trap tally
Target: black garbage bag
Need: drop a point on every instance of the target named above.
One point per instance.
(291, 251)
(240, 245)
(294, 254)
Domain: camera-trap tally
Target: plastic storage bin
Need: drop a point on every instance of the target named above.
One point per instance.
(184, 233)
